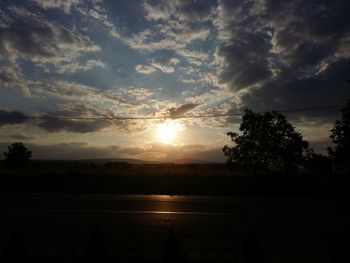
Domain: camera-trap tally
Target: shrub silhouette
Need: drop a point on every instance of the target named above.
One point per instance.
(267, 140)
(340, 135)
(317, 163)
(18, 154)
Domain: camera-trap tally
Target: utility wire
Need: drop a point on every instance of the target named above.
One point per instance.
(166, 117)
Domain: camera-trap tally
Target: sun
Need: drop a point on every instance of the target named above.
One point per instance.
(167, 131)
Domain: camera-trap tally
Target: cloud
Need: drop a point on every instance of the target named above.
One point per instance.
(183, 10)
(264, 39)
(63, 120)
(12, 117)
(65, 5)
(145, 69)
(95, 11)
(70, 67)
(195, 57)
(137, 94)
(180, 111)
(174, 25)
(10, 78)
(80, 92)
(75, 119)
(327, 88)
(76, 126)
(305, 40)
(165, 64)
(32, 37)
(89, 9)
(22, 137)
(243, 50)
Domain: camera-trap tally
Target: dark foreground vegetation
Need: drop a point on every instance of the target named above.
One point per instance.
(173, 179)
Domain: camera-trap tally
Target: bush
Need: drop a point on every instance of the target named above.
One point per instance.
(17, 155)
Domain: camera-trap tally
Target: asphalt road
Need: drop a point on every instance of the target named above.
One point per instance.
(206, 228)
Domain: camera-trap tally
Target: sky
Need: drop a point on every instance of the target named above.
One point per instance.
(145, 58)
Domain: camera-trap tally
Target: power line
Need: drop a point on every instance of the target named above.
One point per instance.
(165, 117)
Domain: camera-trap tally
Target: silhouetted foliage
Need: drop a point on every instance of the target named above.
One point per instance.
(340, 135)
(317, 163)
(17, 154)
(267, 140)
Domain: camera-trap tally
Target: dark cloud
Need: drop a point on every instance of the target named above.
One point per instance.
(305, 33)
(79, 126)
(32, 37)
(245, 50)
(330, 87)
(51, 124)
(180, 111)
(56, 122)
(201, 10)
(12, 117)
(63, 120)
(281, 39)
(73, 118)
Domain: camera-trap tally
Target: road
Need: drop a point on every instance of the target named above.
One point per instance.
(206, 227)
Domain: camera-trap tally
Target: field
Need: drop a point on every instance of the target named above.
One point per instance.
(184, 179)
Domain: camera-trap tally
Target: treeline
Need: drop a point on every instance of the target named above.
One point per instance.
(268, 141)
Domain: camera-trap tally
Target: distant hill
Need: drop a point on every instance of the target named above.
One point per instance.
(188, 161)
(138, 161)
(119, 160)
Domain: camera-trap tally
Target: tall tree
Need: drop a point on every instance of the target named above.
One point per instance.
(267, 140)
(340, 135)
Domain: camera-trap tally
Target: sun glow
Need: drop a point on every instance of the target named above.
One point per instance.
(168, 130)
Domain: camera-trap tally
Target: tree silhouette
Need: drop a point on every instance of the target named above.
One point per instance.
(266, 140)
(340, 135)
(317, 163)
(17, 154)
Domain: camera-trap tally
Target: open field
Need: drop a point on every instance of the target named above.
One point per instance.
(186, 179)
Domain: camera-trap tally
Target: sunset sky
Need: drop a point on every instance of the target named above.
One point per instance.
(134, 58)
